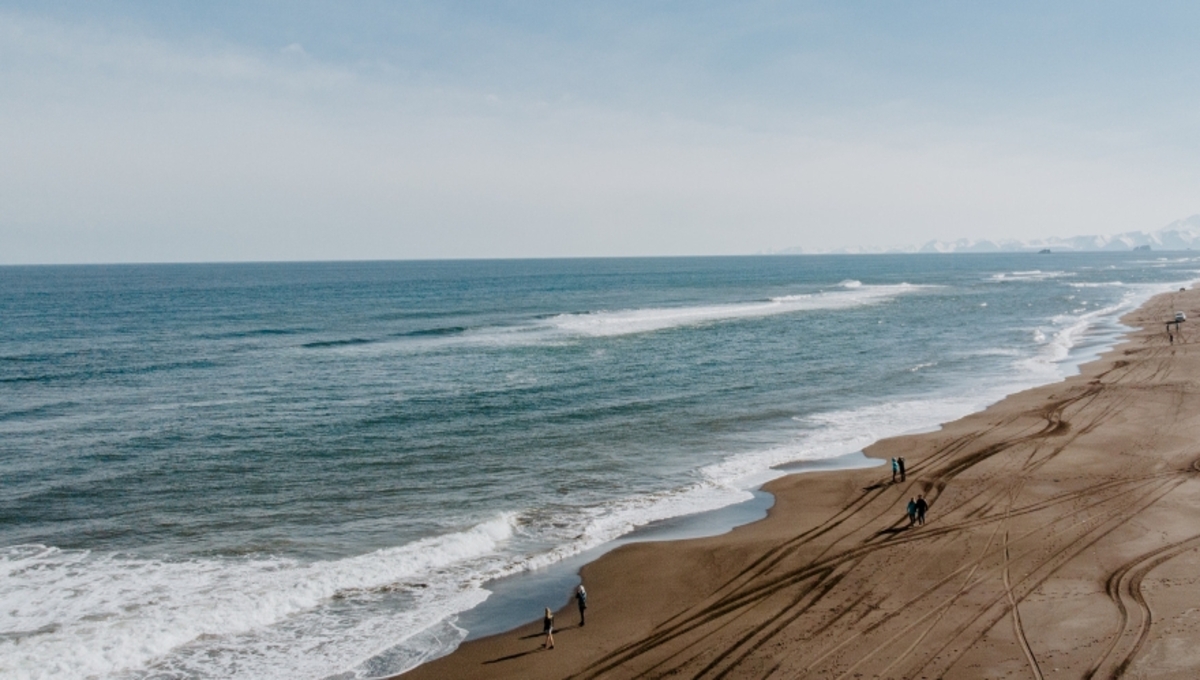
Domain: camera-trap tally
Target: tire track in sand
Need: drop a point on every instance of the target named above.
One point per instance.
(755, 584)
(736, 604)
(1056, 561)
(1018, 628)
(1124, 588)
(1112, 518)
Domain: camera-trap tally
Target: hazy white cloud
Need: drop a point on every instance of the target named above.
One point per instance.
(122, 146)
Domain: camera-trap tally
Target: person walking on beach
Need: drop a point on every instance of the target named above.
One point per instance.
(912, 511)
(548, 629)
(581, 600)
(900, 463)
(922, 506)
(895, 470)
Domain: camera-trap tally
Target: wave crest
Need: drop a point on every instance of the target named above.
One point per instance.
(173, 614)
(628, 322)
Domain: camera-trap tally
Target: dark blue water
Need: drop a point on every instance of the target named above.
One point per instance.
(204, 464)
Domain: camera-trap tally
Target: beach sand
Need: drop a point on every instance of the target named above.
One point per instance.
(1063, 540)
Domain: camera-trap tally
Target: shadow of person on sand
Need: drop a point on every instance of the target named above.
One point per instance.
(541, 635)
(527, 652)
(510, 657)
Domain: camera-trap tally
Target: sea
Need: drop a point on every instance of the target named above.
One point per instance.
(343, 469)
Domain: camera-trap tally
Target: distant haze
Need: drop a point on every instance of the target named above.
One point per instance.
(263, 130)
(1179, 235)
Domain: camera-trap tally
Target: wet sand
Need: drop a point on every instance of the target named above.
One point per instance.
(1063, 540)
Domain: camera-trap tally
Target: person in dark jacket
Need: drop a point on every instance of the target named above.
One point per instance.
(548, 629)
(922, 506)
(581, 600)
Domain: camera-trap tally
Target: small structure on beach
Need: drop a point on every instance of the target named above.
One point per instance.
(1180, 317)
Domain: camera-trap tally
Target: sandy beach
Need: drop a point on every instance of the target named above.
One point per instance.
(1061, 541)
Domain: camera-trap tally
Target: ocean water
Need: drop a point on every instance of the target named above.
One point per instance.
(315, 470)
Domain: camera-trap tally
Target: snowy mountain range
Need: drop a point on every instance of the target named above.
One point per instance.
(1179, 235)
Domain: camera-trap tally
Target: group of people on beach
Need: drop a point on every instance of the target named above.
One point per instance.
(898, 469)
(548, 618)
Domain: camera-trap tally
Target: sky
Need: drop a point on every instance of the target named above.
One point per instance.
(176, 131)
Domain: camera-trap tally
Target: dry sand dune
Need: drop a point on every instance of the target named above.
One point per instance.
(1063, 540)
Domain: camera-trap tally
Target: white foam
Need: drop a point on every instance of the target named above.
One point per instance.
(598, 525)
(626, 322)
(1031, 275)
(1070, 329)
(74, 613)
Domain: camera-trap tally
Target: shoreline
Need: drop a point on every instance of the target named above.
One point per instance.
(820, 514)
(512, 597)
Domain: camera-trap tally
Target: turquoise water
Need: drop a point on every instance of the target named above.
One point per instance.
(306, 470)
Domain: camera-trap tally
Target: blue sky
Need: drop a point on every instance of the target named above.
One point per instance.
(184, 131)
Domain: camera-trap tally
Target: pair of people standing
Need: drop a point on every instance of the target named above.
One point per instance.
(548, 617)
(916, 510)
(898, 469)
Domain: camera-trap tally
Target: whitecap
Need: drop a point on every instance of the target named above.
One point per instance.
(627, 322)
(1030, 275)
(82, 613)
